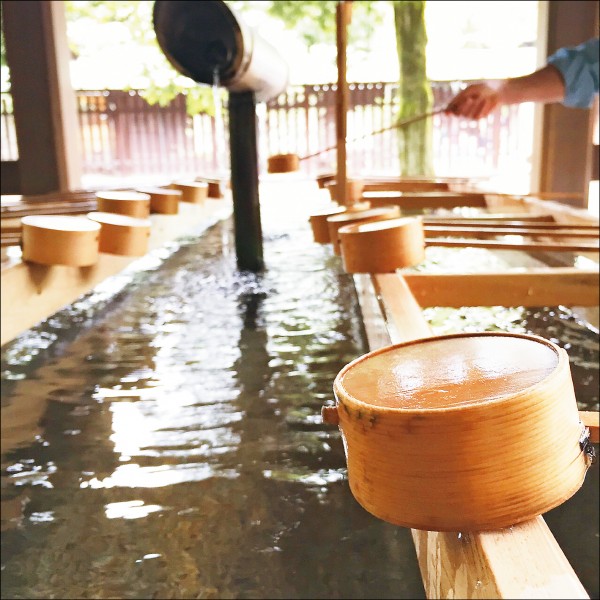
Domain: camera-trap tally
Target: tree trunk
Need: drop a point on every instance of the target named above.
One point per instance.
(416, 140)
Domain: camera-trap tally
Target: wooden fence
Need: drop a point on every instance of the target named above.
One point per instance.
(122, 135)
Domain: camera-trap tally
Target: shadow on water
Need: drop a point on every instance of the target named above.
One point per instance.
(165, 440)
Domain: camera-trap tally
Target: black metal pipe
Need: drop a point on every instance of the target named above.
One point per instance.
(244, 181)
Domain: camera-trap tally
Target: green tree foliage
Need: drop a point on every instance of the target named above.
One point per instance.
(164, 83)
(315, 21)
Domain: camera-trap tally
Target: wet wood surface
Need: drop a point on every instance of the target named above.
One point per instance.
(523, 561)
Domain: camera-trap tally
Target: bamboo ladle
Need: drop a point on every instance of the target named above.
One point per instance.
(287, 163)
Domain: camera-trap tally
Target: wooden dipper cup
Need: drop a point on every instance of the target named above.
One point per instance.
(194, 192)
(465, 432)
(132, 204)
(283, 163)
(162, 200)
(382, 246)
(214, 187)
(123, 235)
(335, 222)
(354, 190)
(60, 240)
(318, 220)
(323, 179)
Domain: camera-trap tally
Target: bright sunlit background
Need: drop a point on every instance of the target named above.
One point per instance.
(466, 40)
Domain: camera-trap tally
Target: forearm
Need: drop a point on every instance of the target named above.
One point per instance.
(545, 85)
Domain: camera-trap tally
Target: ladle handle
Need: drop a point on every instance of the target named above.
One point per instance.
(589, 418)
(330, 415)
(398, 125)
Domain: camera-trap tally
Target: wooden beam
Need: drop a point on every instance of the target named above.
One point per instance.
(343, 9)
(566, 135)
(516, 224)
(523, 246)
(533, 287)
(421, 200)
(523, 561)
(44, 100)
(475, 231)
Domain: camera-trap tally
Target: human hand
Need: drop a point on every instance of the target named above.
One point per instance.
(476, 101)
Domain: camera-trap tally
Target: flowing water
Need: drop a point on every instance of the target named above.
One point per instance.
(165, 441)
(220, 135)
(161, 437)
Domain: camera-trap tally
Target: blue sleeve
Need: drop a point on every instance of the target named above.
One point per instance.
(579, 68)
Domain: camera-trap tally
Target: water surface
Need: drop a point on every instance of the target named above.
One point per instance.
(165, 440)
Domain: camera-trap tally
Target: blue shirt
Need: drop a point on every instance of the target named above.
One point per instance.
(578, 66)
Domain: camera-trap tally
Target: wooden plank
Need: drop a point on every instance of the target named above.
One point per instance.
(30, 293)
(523, 561)
(406, 186)
(493, 218)
(377, 333)
(532, 287)
(475, 231)
(517, 224)
(421, 200)
(401, 310)
(561, 213)
(523, 246)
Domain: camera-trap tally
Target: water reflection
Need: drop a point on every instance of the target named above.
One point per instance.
(166, 442)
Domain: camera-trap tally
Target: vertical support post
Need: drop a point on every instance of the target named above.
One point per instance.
(342, 19)
(564, 156)
(44, 101)
(244, 181)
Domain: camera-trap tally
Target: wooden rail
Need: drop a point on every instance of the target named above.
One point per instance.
(516, 245)
(30, 292)
(531, 287)
(523, 561)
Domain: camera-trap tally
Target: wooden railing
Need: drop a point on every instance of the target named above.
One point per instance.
(122, 135)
